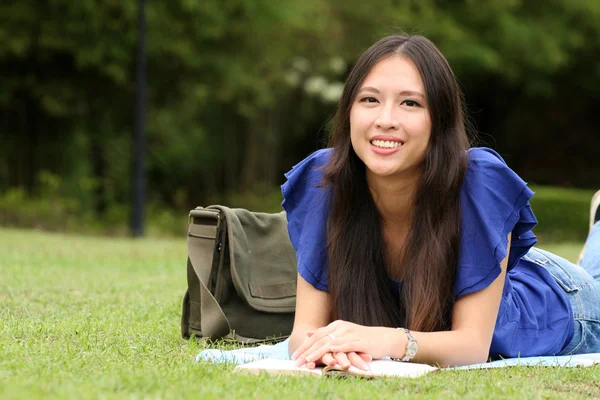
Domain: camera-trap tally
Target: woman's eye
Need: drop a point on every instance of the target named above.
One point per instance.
(411, 103)
(368, 100)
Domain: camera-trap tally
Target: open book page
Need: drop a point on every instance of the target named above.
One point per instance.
(381, 368)
(273, 366)
(377, 368)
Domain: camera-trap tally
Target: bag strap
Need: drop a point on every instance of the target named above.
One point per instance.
(202, 239)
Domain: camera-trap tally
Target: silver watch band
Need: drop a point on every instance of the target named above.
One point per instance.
(411, 347)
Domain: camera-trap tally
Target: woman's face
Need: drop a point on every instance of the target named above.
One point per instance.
(389, 120)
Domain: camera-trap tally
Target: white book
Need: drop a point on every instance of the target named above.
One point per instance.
(376, 368)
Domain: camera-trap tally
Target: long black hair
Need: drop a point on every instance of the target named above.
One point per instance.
(357, 264)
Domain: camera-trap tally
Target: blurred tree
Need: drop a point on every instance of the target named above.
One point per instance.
(138, 204)
(67, 93)
(240, 90)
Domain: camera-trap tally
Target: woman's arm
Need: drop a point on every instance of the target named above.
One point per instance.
(473, 321)
(313, 311)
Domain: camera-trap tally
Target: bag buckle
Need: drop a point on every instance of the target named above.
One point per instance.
(205, 214)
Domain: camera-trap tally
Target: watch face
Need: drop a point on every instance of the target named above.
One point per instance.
(411, 349)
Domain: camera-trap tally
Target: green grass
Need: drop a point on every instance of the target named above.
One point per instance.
(89, 317)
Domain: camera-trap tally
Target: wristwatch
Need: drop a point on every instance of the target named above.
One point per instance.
(411, 347)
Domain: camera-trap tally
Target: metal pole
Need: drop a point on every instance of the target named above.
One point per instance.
(137, 221)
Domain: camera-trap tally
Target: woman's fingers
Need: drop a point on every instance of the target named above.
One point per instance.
(328, 359)
(315, 352)
(321, 347)
(315, 347)
(346, 347)
(308, 343)
(313, 337)
(357, 360)
(342, 360)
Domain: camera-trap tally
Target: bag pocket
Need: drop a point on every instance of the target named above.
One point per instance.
(263, 261)
(266, 290)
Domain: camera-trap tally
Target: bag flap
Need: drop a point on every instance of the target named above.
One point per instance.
(262, 259)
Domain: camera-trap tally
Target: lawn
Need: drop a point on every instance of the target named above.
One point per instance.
(99, 318)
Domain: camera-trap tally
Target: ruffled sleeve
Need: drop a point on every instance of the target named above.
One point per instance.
(494, 203)
(306, 206)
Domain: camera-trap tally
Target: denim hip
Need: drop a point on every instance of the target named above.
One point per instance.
(583, 292)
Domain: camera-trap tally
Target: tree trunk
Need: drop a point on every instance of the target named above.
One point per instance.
(232, 155)
(270, 160)
(28, 167)
(98, 164)
(255, 139)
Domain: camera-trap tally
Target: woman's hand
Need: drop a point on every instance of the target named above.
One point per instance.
(344, 360)
(340, 339)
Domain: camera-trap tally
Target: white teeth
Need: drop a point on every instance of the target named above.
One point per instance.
(385, 144)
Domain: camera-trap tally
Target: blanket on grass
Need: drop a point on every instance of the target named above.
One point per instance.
(279, 351)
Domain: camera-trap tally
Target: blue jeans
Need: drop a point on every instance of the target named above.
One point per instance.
(581, 284)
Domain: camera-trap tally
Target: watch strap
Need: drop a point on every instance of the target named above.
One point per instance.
(411, 347)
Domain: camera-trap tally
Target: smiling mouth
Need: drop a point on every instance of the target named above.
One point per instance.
(386, 144)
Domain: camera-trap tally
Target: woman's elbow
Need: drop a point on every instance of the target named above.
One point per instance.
(481, 358)
(480, 355)
(475, 354)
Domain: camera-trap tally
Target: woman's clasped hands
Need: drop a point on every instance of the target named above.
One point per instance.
(343, 343)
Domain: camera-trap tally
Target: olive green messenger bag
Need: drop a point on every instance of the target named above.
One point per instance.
(241, 275)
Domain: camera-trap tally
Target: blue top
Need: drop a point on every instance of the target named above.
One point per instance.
(535, 317)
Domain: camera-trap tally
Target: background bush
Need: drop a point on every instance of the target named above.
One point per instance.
(563, 214)
(241, 90)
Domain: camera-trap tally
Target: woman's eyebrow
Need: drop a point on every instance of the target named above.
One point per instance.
(368, 89)
(402, 93)
(411, 93)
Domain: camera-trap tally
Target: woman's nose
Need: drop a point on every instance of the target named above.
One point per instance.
(387, 119)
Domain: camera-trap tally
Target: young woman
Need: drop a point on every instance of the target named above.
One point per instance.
(414, 247)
